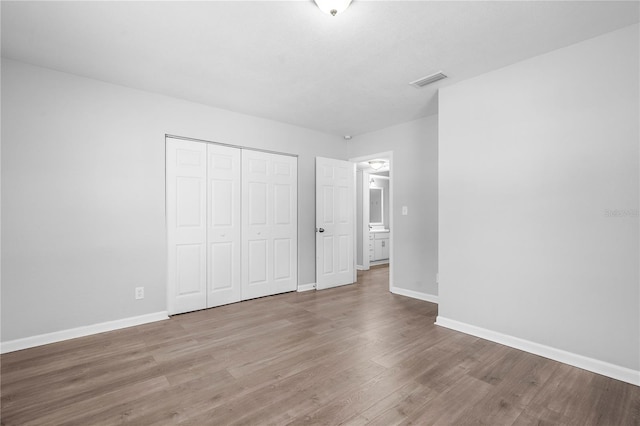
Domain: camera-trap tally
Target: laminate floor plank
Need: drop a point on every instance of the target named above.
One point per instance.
(171, 405)
(72, 384)
(354, 355)
(606, 392)
(368, 394)
(300, 357)
(397, 407)
(66, 412)
(339, 385)
(447, 406)
(12, 370)
(256, 407)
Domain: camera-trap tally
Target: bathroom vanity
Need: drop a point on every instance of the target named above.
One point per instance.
(378, 244)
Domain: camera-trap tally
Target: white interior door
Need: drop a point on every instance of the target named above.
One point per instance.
(335, 222)
(186, 225)
(269, 233)
(224, 224)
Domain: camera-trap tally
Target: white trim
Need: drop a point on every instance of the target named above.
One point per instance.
(306, 287)
(72, 333)
(414, 294)
(360, 268)
(364, 219)
(590, 364)
(355, 223)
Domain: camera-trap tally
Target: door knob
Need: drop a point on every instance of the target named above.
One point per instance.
(321, 230)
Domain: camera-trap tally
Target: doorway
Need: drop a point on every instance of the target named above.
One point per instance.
(374, 212)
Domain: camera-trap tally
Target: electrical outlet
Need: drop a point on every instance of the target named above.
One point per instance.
(139, 293)
(405, 210)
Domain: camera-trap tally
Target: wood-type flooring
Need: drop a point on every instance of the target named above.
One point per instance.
(352, 355)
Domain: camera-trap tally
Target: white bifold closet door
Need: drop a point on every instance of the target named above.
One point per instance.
(231, 224)
(224, 225)
(269, 242)
(203, 225)
(187, 225)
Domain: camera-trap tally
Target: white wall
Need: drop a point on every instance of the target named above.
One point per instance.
(415, 175)
(83, 194)
(532, 156)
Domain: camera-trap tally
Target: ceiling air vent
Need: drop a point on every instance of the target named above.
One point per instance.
(421, 82)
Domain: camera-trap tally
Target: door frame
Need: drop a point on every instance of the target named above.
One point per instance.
(365, 226)
(389, 155)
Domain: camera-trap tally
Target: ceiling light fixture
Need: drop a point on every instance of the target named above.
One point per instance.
(333, 7)
(376, 164)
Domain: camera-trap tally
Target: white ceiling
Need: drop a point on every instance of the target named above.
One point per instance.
(288, 61)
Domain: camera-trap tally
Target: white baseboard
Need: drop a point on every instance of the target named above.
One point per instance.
(360, 268)
(596, 366)
(306, 287)
(59, 336)
(415, 294)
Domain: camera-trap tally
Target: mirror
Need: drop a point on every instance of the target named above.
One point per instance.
(375, 206)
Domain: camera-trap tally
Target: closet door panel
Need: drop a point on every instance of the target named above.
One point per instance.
(257, 203)
(282, 259)
(186, 225)
(257, 218)
(221, 273)
(257, 266)
(282, 195)
(269, 224)
(285, 223)
(224, 225)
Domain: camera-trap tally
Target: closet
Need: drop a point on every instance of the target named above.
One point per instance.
(231, 224)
